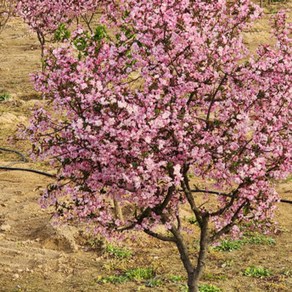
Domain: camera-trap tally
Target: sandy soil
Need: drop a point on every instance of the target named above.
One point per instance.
(38, 256)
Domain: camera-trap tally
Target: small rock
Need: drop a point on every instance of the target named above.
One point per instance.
(15, 276)
(5, 227)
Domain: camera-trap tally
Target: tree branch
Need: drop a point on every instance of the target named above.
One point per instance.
(159, 236)
(186, 189)
(213, 100)
(157, 210)
(228, 226)
(184, 255)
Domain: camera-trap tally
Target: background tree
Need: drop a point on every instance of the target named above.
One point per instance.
(173, 112)
(46, 17)
(6, 10)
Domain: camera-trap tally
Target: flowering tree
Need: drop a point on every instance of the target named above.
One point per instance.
(6, 9)
(45, 17)
(175, 98)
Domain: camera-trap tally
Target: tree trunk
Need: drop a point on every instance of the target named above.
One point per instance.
(118, 210)
(193, 283)
(194, 277)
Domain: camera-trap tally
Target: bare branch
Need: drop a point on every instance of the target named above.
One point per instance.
(159, 236)
(184, 255)
(213, 100)
(187, 190)
(146, 213)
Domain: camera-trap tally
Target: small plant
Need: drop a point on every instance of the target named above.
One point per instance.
(118, 252)
(113, 279)
(256, 272)
(209, 288)
(211, 276)
(4, 96)
(153, 283)
(139, 274)
(192, 220)
(259, 239)
(176, 278)
(228, 245)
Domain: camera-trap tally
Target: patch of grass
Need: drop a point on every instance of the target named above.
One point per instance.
(151, 283)
(286, 273)
(202, 288)
(257, 272)
(209, 288)
(137, 274)
(4, 96)
(113, 279)
(118, 252)
(175, 278)
(259, 239)
(211, 276)
(229, 245)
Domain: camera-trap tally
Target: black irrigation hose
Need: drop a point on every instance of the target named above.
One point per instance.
(286, 201)
(226, 195)
(28, 170)
(23, 158)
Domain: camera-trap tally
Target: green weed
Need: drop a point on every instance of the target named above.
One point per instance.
(256, 272)
(192, 220)
(176, 278)
(229, 245)
(4, 96)
(209, 288)
(118, 252)
(113, 279)
(259, 239)
(151, 283)
(139, 274)
(211, 276)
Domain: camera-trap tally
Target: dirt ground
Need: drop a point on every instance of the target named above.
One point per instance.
(38, 256)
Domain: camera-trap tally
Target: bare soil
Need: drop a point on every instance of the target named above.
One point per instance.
(35, 255)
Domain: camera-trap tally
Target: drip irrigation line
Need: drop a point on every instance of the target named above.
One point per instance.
(286, 201)
(28, 170)
(23, 158)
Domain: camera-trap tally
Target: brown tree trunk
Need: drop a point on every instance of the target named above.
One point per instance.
(118, 211)
(192, 283)
(194, 277)
(194, 274)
